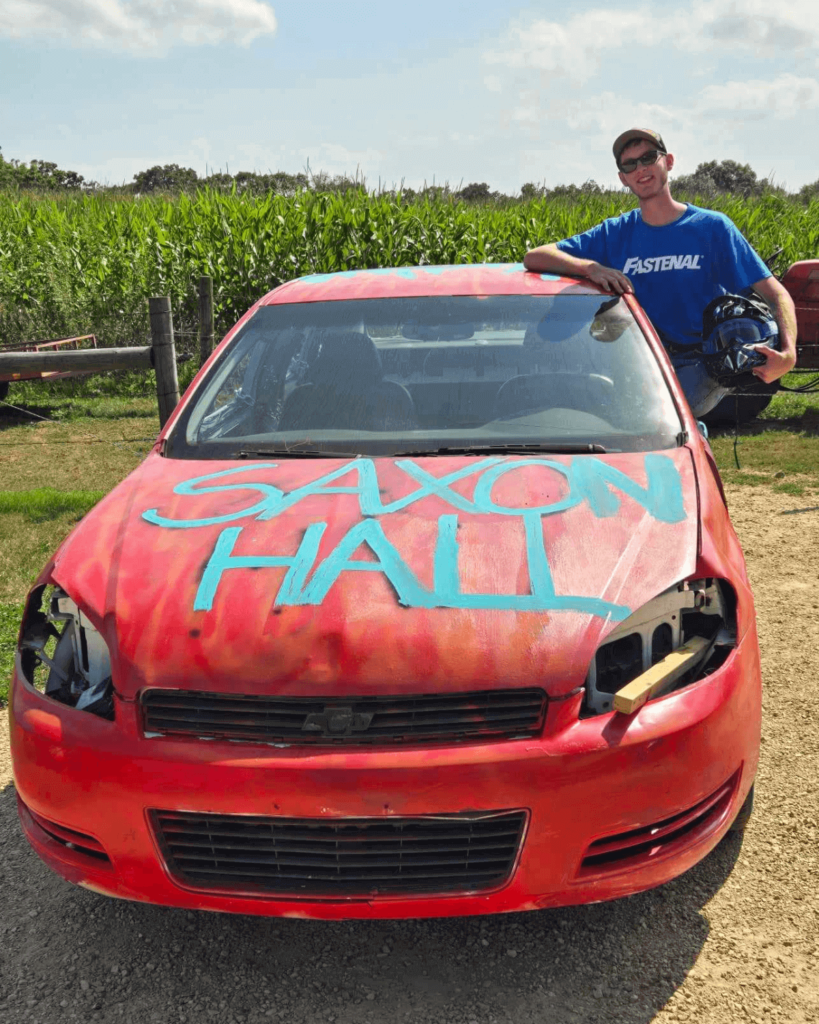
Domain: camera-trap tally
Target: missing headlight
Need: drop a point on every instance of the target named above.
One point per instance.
(64, 656)
(696, 608)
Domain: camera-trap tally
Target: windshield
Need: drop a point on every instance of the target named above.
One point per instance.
(429, 374)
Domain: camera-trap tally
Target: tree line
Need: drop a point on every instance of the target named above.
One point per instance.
(724, 177)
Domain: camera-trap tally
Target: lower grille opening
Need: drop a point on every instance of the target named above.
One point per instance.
(633, 848)
(78, 842)
(344, 857)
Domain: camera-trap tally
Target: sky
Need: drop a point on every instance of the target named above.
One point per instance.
(453, 91)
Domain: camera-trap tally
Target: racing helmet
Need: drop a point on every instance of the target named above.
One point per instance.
(730, 325)
(721, 365)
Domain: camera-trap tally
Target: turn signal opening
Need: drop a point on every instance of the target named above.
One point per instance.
(70, 839)
(637, 847)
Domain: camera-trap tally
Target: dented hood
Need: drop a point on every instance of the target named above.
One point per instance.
(340, 577)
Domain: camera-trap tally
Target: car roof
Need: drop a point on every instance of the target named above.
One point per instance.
(402, 282)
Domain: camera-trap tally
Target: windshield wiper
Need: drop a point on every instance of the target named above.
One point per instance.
(514, 448)
(295, 453)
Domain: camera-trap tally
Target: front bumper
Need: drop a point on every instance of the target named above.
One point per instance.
(580, 783)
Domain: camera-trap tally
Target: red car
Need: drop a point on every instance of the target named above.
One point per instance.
(426, 602)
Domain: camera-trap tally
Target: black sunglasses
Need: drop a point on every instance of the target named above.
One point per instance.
(648, 158)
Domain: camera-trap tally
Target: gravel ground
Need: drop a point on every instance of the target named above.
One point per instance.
(735, 939)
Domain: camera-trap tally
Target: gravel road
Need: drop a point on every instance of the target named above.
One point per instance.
(733, 940)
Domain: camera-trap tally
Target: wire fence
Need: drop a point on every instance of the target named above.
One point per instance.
(160, 378)
(124, 442)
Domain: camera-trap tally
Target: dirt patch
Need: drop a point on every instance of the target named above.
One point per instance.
(735, 939)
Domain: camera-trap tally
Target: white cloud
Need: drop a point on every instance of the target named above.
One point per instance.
(575, 48)
(755, 25)
(580, 133)
(784, 96)
(138, 26)
(592, 116)
(599, 113)
(594, 72)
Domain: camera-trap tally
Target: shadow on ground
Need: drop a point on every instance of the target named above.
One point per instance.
(807, 423)
(70, 954)
(25, 415)
(12, 415)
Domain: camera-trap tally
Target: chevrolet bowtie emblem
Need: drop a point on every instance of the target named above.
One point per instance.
(337, 720)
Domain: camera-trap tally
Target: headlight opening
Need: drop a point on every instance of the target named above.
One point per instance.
(704, 608)
(64, 656)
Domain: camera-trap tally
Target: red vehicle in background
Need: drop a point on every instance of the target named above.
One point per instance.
(426, 602)
(83, 341)
(802, 281)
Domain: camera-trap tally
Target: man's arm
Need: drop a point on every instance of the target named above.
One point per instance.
(550, 259)
(778, 362)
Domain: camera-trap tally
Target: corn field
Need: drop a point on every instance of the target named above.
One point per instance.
(72, 265)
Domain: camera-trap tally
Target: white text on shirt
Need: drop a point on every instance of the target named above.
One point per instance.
(634, 265)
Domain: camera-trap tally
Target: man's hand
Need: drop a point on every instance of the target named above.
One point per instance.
(777, 363)
(554, 261)
(608, 278)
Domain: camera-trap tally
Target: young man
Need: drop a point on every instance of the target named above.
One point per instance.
(676, 257)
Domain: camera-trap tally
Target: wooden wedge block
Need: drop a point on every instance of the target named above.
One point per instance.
(659, 677)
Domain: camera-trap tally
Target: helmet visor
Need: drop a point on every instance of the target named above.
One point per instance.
(738, 332)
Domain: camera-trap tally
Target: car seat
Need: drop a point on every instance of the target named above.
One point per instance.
(346, 390)
(535, 392)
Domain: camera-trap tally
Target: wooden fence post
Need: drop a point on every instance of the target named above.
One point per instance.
(164, 357)
(206, 327)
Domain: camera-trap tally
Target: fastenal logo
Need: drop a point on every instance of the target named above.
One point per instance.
(634, 265)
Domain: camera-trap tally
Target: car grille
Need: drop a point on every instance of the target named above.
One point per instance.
(343, 856)
(316, 721)
(631, 849)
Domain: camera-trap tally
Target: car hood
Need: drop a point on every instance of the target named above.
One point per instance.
(341, 577)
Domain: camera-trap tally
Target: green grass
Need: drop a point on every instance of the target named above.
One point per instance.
(786, 406)
(790, 488)
(764, 455)
(25, 547)
(65, 407)
(10, 615)
(73, 449)
(45, 504)
(112, 395)
(780, 448)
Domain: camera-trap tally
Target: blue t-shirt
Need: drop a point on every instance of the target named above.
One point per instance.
(676, 269)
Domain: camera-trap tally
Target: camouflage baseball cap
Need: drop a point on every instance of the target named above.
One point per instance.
(634, 135)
